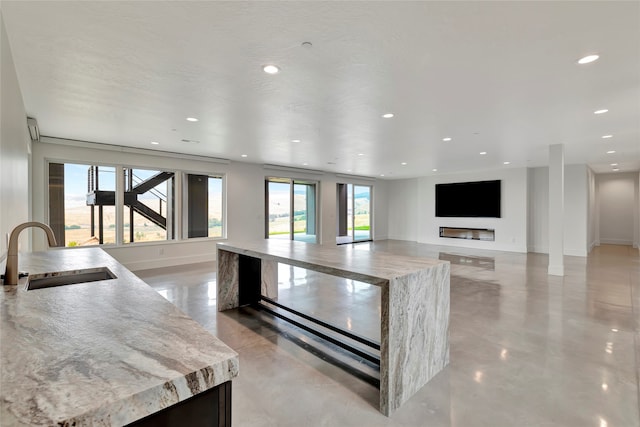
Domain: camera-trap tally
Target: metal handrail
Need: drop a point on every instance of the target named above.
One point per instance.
(160, 195)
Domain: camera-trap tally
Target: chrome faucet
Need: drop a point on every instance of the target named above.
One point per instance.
(11, 273)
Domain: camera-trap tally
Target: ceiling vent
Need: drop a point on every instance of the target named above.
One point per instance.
(34, 131)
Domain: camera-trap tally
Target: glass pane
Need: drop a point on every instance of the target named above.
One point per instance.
(350, 210)
(82, 209)
(304, 210)
(215, 207)
(361, 212)
(204, 206)
(149, 205)
(279, 224)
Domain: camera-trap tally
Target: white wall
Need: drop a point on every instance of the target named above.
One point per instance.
(244, 205)
(14, 149)
(510, 229)
(524, 224)
(593, 231)
(618, 207)
(412, 211)
(381, 205)
(403, 209)
(538, 200)
(576, 210)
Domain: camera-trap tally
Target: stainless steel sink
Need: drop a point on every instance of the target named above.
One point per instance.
(72, 277)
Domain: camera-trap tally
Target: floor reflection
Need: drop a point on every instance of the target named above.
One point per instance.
(486, 263)
(527, 349)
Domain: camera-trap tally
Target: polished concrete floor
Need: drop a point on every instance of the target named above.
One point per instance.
(527, 349)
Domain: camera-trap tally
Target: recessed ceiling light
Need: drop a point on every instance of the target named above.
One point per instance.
(243, 155)
(614, 164)
(348, 170)
(360, 154)
(588, 59)
(434, 170)
(192, 119)
(155, 142)
(600, 111)
(404, 163)
(616, 169)
(607, 136)
(387, 115)
(506, 163)
(381, 174)
(305, 164)
(295, 140)
(611, 152)
(271, 69)
(482, 153)
(447, 139)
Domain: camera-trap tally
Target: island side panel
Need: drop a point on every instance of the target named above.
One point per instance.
(269, 282)
(227, 280)
(415, 334)
(384, 350)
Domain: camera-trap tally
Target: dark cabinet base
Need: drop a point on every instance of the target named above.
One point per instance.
(211, 408)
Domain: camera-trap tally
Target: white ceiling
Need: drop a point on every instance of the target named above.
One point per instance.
(499, 77)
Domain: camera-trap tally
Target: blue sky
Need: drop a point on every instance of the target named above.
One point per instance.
(75, 182)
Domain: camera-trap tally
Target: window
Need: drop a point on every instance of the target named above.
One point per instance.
(204, 206)
(148, 205)
(83, 199)
(82, 204)
(291, 210)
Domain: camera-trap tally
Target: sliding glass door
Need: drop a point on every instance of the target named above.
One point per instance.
(361, 213)
(354, 213)
(304, 212)
(290, 210)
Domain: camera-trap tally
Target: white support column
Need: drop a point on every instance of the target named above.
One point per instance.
(556, 210)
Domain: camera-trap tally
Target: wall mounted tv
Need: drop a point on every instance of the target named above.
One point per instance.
(479, 199)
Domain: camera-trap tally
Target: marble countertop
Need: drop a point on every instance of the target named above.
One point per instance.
(348, 261)
(102, 353)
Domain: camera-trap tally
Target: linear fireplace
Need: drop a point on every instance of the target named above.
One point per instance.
(487, 234)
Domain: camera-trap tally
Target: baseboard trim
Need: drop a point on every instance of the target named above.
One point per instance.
(616, 242)
(571, 252)
(538, 249)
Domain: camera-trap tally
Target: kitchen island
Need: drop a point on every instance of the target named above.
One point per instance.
(414, 320)
(105, 353)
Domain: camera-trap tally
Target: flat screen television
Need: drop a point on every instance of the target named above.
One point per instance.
(479, 199)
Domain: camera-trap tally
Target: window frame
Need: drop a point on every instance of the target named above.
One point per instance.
(121, 205)
(180, 217)
(184, 223)
(292, 182)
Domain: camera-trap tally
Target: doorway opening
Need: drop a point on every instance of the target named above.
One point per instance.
(354, 213)
(291, 210)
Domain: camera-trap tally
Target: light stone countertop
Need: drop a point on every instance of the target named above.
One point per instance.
(347, 261)
(102, 353)
(414, 302)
